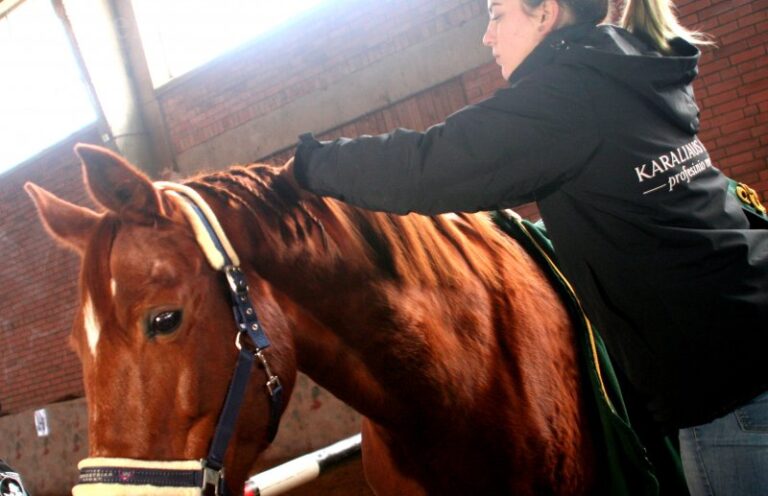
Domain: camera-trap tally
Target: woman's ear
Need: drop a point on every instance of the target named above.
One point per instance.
(550, 16)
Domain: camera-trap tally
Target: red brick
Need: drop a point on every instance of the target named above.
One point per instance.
(748, 166)
(727, 49)
(755, 18)
(740, 158)
(688, 8)
(760, 130)
(716, 65)
(721, 119)
(718, 8)
(752, 53)
(740, 125)
(34, 335)
(724, 111)
(751, 110)
(743, 146)
(760, 96)
(709, 133)
(736, 13)
(760, 39)
(719, 87)
(739, 35)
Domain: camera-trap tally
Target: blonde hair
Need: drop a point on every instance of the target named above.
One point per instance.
(656, 22)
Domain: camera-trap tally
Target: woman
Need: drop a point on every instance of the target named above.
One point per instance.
(598, 125)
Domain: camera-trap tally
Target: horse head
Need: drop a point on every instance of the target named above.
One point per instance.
(155, 331)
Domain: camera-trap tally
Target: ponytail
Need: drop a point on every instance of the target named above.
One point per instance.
(655, 21)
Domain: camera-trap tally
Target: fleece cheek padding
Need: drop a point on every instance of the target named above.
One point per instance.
(205, 239)
(123, 490)
(128, 466)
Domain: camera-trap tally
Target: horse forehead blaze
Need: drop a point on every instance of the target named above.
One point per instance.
(91, 324)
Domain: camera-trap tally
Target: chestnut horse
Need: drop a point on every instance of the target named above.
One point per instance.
(441, 331)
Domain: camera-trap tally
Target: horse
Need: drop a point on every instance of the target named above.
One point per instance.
(441, 331)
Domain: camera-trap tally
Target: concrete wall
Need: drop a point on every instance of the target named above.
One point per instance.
(349, 59)
(357, 66)
(48, 465)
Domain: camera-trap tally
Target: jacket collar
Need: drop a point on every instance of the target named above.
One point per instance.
(553, 43)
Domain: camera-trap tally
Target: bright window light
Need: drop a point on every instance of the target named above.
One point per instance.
(180, 35)
(43, 98)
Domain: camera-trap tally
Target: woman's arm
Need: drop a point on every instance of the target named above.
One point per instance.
(507, 150)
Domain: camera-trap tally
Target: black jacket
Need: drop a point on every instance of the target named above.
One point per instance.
(601, 132)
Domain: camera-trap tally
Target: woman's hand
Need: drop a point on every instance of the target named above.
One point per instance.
(287, 179)
(287, 173)
(307, 145)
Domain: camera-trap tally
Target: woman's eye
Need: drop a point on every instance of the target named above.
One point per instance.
(164, 323)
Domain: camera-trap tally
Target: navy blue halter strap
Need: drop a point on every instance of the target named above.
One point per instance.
(247, 324)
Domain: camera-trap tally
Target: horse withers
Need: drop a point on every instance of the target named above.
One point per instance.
(440, 331)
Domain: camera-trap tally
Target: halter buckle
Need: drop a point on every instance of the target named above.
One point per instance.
(212, 477)
(273, 384)
(236, 280)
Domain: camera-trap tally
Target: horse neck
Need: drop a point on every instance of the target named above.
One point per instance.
(321, 274)
(416, 326)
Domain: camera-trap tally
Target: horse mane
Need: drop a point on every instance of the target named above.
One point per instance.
(413, 248)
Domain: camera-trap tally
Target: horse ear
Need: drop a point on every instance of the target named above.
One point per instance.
(69, 224)
(118, 185)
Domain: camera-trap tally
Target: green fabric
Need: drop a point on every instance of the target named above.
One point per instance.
(628, 465)
(749, 201)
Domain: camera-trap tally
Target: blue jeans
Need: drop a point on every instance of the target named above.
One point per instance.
(729, 456)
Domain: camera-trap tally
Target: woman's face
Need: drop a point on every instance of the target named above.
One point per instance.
(514, 32)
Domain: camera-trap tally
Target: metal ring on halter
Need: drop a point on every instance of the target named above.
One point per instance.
(253, 347)
(238, 344)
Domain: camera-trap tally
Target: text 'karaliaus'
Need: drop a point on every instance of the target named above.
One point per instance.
(685, 162)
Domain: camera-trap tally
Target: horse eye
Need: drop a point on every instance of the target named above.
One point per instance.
(164, 322)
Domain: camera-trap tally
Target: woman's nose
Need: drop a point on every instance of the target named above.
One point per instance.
(488, 35)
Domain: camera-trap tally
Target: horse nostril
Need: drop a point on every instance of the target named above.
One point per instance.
(164, 322)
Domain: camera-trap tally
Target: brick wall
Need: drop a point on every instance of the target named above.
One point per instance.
(38, 285)
(36, 281)
(343, 37)
(733, 85)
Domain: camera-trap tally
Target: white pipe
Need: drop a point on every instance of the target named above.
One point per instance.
(300, 470)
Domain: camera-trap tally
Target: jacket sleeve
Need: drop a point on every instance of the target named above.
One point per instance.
(504, 151)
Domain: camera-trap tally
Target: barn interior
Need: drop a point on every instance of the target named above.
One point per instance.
(180, 88)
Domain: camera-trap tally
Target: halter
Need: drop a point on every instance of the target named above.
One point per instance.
(124, 476)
